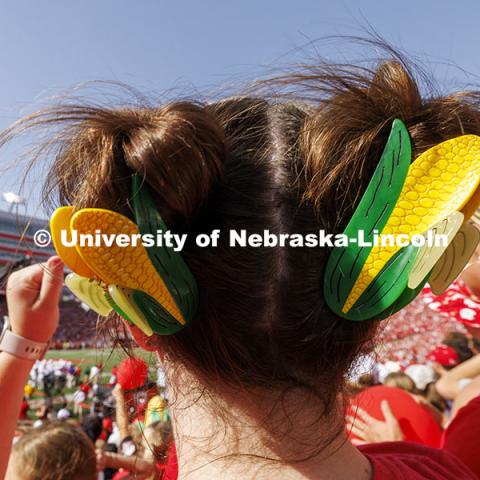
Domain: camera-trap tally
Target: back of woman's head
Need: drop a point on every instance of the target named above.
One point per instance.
(288, 164)
(55, 451)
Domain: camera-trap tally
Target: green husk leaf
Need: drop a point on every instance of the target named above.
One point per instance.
(408, 295)
(159, 319)
(389, 285)
(373, 211)
(169, 264)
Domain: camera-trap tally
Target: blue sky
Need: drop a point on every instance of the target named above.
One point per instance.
(49, 47)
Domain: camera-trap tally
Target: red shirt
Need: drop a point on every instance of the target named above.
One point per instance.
(458, 459)
(394, 461)
(410, 461)
(24, 407)
(462, 437)
(171, 468)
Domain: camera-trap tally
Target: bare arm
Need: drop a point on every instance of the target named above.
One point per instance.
(471, 277)
(447, 385)
(132, 464)
(32, 297)
(121, 413)
(471, 391)
(13, 376)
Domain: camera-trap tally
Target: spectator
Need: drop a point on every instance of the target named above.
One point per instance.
(92, 426)
(53, 451)
(400, 380)
(460, 343)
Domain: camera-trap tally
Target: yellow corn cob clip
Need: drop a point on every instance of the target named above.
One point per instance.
(127, 266)
(110, 276)
(63, 242)
(439, 182)
(436, 193)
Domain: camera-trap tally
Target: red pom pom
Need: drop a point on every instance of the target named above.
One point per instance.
(132, 373)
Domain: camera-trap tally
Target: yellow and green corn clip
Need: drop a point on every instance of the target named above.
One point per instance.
(437, 193)
(151, 288)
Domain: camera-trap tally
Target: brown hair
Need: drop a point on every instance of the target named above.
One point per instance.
(292, 162)
(460, 343)
(55, 451)
(400, 380)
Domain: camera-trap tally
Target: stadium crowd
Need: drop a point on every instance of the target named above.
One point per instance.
(396, 393)
(76, 328)
(117, 423)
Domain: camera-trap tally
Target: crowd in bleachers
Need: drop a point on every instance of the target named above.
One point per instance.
(76, 328)
(121, 415)
(424, 365)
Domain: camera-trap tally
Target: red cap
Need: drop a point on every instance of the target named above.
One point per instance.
(85, 387)
(444, 355)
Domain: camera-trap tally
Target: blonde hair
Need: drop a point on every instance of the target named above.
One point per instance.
(400, 380)
(156, 440)
(55, 451)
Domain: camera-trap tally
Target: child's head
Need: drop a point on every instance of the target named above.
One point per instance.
(400, 380)
(53, 451)
(288, 164)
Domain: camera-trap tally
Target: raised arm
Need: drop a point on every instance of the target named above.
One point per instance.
(121, 412)
(447, 385)
(32, 297)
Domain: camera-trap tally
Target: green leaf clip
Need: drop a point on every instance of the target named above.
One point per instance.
(169, 264)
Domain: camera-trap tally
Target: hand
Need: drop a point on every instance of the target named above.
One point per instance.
(370, 430)
(33, 294)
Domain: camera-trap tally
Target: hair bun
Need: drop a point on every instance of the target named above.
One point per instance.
(179, 149)
(393, 90)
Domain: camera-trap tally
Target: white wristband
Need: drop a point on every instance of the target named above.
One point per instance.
(22, 347)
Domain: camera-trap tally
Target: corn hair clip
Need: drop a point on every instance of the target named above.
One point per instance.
(435, 194)
(151, 288)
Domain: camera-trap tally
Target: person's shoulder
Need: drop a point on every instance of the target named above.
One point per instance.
(401, 460)
(461, 436)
